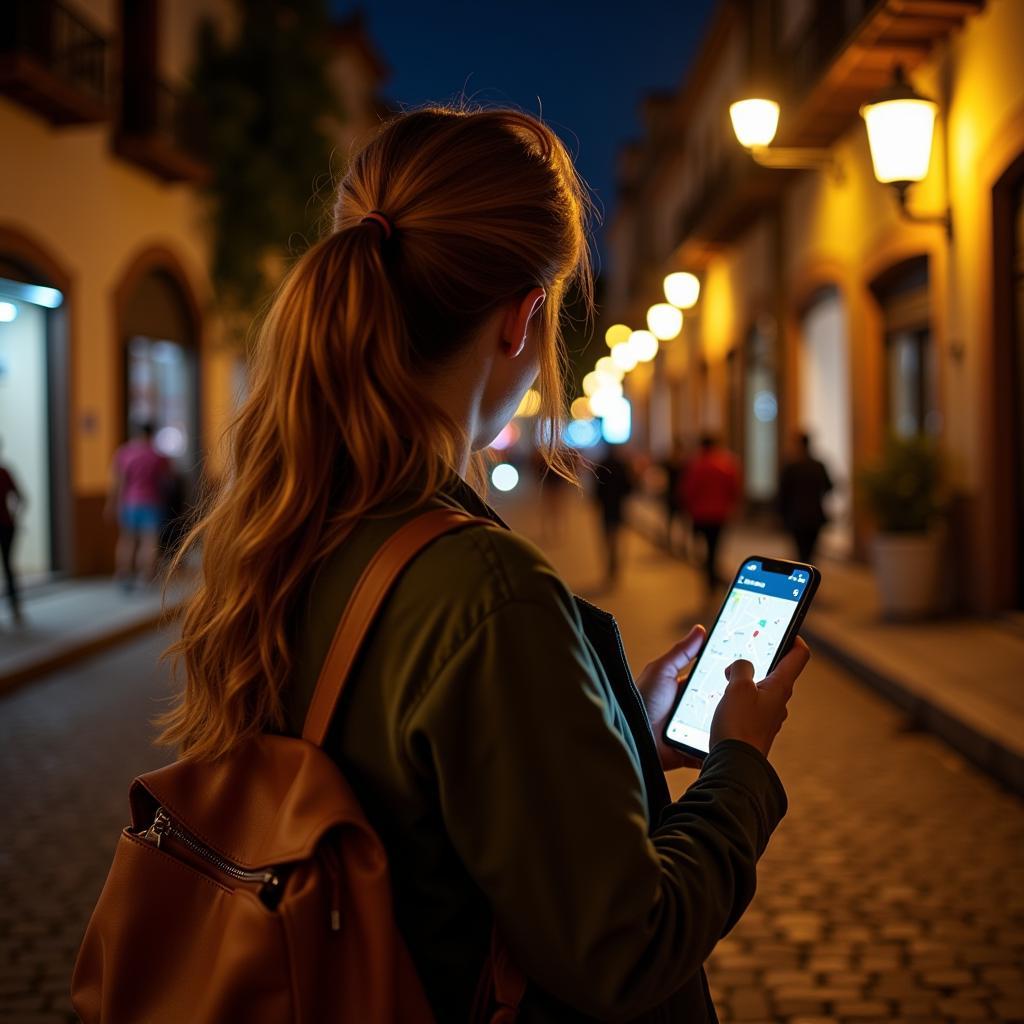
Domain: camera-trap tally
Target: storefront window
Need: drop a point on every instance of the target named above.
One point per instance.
(911, 406)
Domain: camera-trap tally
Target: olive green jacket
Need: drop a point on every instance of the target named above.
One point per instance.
(494, 736)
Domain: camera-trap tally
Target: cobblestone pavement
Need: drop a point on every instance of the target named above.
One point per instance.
(893, 890)
(69, 746)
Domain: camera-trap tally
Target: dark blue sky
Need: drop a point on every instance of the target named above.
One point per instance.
(585, 66)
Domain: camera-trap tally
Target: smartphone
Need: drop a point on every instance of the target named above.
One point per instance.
(759, 620)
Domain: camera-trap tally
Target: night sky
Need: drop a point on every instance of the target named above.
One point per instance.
(586, 66)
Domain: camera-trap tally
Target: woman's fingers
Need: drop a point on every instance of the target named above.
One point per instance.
(680, 655)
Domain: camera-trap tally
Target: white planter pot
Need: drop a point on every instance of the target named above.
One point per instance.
(907, 572)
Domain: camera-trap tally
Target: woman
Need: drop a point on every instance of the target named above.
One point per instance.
(491, 729)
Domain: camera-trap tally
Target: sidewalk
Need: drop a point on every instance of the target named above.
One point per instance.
(958, 678)
(71, 619)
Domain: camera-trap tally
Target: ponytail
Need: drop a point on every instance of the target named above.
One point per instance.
(335, 424)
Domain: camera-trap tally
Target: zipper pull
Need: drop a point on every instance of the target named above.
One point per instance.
(331, 866)
(160, 827)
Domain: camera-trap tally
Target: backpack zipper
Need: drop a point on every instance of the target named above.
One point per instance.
(163, 826)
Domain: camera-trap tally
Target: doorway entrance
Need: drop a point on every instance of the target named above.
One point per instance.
(825, 409)
(32, 414)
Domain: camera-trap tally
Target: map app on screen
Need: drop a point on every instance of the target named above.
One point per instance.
(752, 625)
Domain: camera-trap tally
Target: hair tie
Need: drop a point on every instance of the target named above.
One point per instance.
(382, 219)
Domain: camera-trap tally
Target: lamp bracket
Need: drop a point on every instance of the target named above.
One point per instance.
(797, 159)
(945, 218)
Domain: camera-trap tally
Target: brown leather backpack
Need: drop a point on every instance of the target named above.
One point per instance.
(253, 889)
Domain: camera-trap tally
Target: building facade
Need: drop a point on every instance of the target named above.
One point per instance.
(110, 316)
(822, 307)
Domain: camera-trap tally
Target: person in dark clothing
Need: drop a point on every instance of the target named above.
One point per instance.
(710, 492)
(803, 484)
(10, 503)
(614, 482)
(675, 469)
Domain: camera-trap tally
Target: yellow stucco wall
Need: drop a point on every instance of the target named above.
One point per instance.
(94, 213)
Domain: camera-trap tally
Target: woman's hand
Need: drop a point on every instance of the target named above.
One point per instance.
(754, 712)
(659, 685)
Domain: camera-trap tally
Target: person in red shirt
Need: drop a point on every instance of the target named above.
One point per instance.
(710, 491)
(10, 502)
(138, 487)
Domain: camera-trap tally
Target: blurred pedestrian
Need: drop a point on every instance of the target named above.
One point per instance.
(553, 488)
(410, 333)
(11, 503)
(613, 479)
(711, 491)
(803, 484)
(674, 467)
(137, 498)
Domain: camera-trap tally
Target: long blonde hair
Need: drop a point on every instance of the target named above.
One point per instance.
(485, 205)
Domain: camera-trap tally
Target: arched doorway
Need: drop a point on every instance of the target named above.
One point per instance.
(34, 403)
(824, 404)
(158, 327)
(159, 335)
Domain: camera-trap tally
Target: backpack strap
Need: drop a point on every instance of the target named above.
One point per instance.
(373, 587)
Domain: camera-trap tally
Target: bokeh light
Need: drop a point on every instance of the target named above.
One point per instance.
(504, 476)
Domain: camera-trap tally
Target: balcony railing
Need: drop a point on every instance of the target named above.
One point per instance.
(54, 61)
(162, 129)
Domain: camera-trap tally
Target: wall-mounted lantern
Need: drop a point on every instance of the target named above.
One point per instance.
(900, 125)
(755, 121)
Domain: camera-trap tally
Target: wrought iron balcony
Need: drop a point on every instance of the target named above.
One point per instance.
(161, 129)
(53, 61)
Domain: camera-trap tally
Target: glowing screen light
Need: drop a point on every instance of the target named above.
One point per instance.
(8, 311)
(617, 423)
(665, 321)
(504, 477)
(682, 289)
(616, 335)
(582, 434)
(754, 121)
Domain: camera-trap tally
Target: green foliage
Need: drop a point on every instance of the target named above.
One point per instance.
(904, 489)
(262, 94)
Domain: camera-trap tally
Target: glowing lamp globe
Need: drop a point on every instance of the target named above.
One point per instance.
(530, 404)
(900, 125)
(616, 335)
(580, 409)
(608, 365)
(644, 345)
(664, 321)
(755, 121)
(682, 289)
(623, 356)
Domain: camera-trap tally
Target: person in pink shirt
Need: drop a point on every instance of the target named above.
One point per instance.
(710, 492)
(138, 485)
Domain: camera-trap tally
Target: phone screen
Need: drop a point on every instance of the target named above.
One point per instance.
(752, 625)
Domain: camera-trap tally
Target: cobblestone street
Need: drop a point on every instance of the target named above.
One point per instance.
(893, 891)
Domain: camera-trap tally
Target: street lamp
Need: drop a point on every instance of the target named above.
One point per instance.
(900, 125)
(755, 121)
(682, 289)
(664, 321)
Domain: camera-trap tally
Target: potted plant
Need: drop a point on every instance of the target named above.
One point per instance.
(904, 491)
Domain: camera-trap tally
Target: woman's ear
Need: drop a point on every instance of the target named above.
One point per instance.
(517, 321)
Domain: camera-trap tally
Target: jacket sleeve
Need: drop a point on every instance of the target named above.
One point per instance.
(544, 805)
